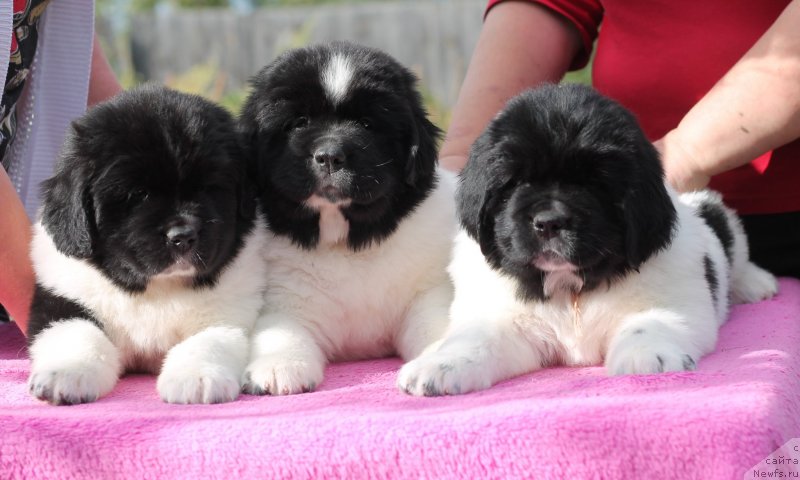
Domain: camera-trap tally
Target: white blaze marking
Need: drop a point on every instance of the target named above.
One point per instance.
(333, 227)
(336, 77)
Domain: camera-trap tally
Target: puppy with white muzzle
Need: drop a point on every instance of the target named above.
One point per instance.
(362, 223)
(147, 253)
(574, 251)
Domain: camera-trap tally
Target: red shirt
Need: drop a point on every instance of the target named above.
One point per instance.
(659, 57)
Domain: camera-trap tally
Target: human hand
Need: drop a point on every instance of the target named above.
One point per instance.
(680, 164)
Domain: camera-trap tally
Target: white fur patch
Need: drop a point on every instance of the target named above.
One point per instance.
(336, 77)
(333, 227)
(562, 281)
(181, 268)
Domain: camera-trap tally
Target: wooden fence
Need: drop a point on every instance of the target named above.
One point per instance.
(435, 38)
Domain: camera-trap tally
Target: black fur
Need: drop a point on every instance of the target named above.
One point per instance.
(380, 126)
(711, 277)
(139, 164)
(47, 307)
(565, 149)
(714, 216)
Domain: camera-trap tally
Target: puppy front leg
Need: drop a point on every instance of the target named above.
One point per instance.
(470, 358)
(72, 361)
(284, 359)
(659, 340)
(425, 322)
(205, 368)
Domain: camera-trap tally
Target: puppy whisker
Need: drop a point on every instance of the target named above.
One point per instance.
(199, 259)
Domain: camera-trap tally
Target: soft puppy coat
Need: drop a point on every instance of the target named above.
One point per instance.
(361, 221)
(574, 251)
(147, 253)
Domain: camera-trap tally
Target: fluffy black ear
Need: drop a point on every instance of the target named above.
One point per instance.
(254, 137)
(481, 191)
(422, 155)
(247, 186)
(67, 206)
(648, 209)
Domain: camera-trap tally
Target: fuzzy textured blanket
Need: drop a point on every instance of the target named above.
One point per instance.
(741, 404)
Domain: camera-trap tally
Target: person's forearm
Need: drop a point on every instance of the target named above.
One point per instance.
(103, 82)
(754, 108)
(521, 45)
(16, 272)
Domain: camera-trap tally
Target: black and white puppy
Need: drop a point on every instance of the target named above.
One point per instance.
(574, 251)
(147, 253)
(362, 224)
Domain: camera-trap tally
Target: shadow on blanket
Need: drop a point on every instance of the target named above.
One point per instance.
(717, 422)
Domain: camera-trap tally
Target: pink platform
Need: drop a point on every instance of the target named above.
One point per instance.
(741, 404)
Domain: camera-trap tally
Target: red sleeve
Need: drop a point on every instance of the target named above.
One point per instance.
(585, 15)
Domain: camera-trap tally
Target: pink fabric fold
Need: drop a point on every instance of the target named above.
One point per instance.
(742, 403)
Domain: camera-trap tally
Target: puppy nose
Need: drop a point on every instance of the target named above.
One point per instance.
(329, 158)
(182, 237)
(549, 223)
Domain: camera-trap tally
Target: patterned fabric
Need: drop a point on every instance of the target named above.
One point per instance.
(23, 47)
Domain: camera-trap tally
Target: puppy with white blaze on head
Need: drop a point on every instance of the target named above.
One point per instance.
(361, 221)
(147, 253)
(574, 251)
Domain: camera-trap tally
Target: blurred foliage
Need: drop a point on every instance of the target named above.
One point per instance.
(208, 81)
(583, 75)
(438, 113)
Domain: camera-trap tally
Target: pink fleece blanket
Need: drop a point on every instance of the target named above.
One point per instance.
(741, 404)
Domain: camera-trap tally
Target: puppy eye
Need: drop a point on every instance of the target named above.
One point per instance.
(138, 195)
(299, 122)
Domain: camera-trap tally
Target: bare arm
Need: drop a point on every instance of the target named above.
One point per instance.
(754, 108)
(16, 273)
(521, 45)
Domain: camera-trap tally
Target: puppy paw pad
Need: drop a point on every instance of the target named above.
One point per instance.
(267, 376)
(430, 376)
(67, 386)
(191, 387)
(754, 284)
(640, 355)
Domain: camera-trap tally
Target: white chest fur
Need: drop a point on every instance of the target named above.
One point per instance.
(333, 227)
(355, 301)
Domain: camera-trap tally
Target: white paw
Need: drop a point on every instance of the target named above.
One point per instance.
(436, 374)
(200, 382)
(72, 384)
(753, 284)
(72, 361)
(641, 353)
(278, 375)
(204, 368)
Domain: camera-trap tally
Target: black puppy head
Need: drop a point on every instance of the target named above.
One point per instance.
(563, 180)
(151, 182)
(344, 125)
